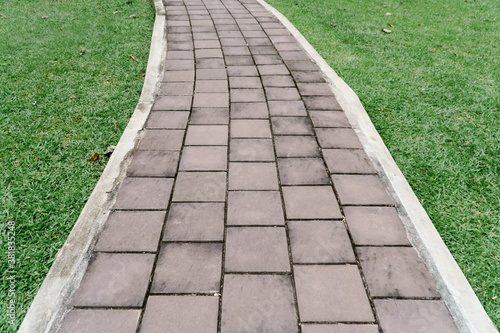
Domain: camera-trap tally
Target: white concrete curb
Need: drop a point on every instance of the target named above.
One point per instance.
(464, 306)
(51, 301)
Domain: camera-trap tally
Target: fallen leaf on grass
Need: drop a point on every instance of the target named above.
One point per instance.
(95, 157)
(44, 17)
(116, 12)
(387, 31)
(82, 51)
(333, 24)
(497, 111)
(420, 24)
(132, 16)
(131, 56)
(390, 25)
(110, 150)
(35, 103)
(388, 14)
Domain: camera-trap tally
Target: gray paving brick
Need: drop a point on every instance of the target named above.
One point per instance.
(287, 108)
(179, 103)
(100, 321)
(168, 120)
(180, 65)
(211, 100)
(310, 202)
(337, 138)
(296, 146)
(210, 63)
(259, 41)
(211, 74)
(211, 86)
(252, 176)
(291, 126)
(288, 46)
(348, 161)
(209, 116)
(236, 71)
(180, 46)
(144, 193)
(153, 164)
(282, 94)
(235, 50)
(208, 53)
(246, 82)
(179, 55)
(238, 60)
(328, 103)
(314, 89)
(307, 76)
(267, 59)
(204, 158)
(329, 119)
(339, 328)
(250, 129)
(254, 208)
(247, 95)
(249, 111)
(200, 186)
(294, 55)
(302, 171)
(251, 150)
(176, 89)
(201, 135)
(178, 76)
(233, 41)
(161, 140)
(273, 70)
(361, 190)
(206, 44)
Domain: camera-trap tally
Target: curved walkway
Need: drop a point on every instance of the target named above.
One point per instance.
(250, 204)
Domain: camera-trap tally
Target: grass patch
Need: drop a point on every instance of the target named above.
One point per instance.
(431, 88)
(57, 108)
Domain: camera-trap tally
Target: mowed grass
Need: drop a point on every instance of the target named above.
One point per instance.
(57, 108)
(431, 87)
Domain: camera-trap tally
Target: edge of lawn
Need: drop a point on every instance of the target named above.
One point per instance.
(49, 304)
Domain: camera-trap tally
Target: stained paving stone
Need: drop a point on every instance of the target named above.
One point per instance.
(211, 86)
(375, 226)
(168, 120)
(130, 231)
(307, 77)
(115, 280)
(153, 164)
(282, 94)
(248, 249)
(291, 126)
(314, 242)
(277, 81)
(247, 95)
(337, 138)
(246, 82)
(302, 171)
(310, 202)
(258, 303)
(233, 41)
(200, 135)
(348, 161)
(268, 59)
(396, 272)
(204, 158)
(206, 44)
(209, 116)
(144, 193)
(208, 53)
(211, 74)
(294, 55)
(211, 100)
(251, 150)
(238, 60)
(173, 55)
(339, 328)
(329, 119)
(296, 146)
(180, 314)
(195, 222)
(254, 208)
(178, 76)
(361, 190)
(180, 64)
(176, 89)
(100, 321)
(188, 268)
(249, 111)
(250, 129)
(210, 63)
(331, 293)
(266, 50)
(200, 186)
(253, 176)
(328, 103)
(314, 89)
(273, 70)
(242, 71)
(417, 316)
(287, 108)
(161, 140)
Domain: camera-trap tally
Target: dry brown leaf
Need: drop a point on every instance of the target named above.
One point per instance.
(110, 150)
(387, 31)
(388, 14)
(82, 51)
(44, 17)
(116, 12)
(94, 157)
(131, 56)
(390, 25)
(132, 16)
(333, 24)
(420, 24)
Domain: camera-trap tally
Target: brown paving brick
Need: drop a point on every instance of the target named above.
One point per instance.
(176, 88)
(267, 59)
(239, 60)
(233, 42)
(301, 65)
(100, 321)
(245, 82)
(310, 202)
(282, 39)
(328, 103)
(250, 129)
(168, 120)
(210, 63)
(278, 81)
(331, 293)
(247, 95)
(254, 208)
(329, 119)
(179, 103)
(259, 41)
(204, 158)
(339, 328)
(251, 150)
(200, 186)
(282, 94)
(249, 110)
(348, 161)
(396, 272)
(296, 146)
(361, 190)
(180, 46)
(131, 231)
(211, 100)
(416, 316)
(208, 53)
(235, 71)
(252, 176)
(308, 76)
(180, 314)
(206, 44)
(144, 193)
(211, 86)
(264, 50)
(316, 242)
(248, 249)
(258, 303)
(205, 35)
(153, 164)
(273, 70)
(188, 268)
(211, 74)
(179, 55)
(375, 226)
(161, 140)
(292, 126)
(279, 31)
(195, 222)
(314, 89)
(115, 279)
(337, 138)
(302, 171)
(287, 108)
(253, 33)
(207, 135)
(235, 50)
(209, 116)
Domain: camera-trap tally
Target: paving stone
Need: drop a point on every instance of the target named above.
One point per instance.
(233, 41)
(258, 303)
(279, 31)
(161, 140)
(211, 86)
(348, 161)
(100, 321)
(204, 158)
(250, 110)
(179, 30)
(179, 55)
(230, 34)
(181, 314)
(188, 268)
(247, 95)
(210, 63)
(291, 126)
(209, 116)
(253, 33)
(254, 208)
(375, 226)
(339, 328)
(310, 202)
(307, 76)
(267, 59)
(278, 81)
(314, 242)
(211, 74)
(211, 100)
(212, 135)
(282, 94)
(131, 231)
(144, 193)
(179, 103)
(273, 70)
(417, 316)
(208, 53)
(361, 190)
(253, 176)
(200, 186)
(282, 39)
(259, 42)
(183, 23)
(294, 55)
(248, 249)
(251, 150)
(195, 222)
(238, 60)
(115, 279)
(235, 71)
(180, 65)
(168, 120)
(153, 164)
(396, 272)
(205, 36)
(250, 129)
(314, 89)
(180, 46)
(302, 171)
(176, 88)
(337, 138)
(329, 119)
(206, 44)
(235, 50)
(328, 103)
(247, 82)
(178, 76)
(331, 293)
(296, 146)
(288, 47)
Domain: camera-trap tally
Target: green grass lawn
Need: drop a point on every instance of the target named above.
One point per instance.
(431, 87)
(57, 108)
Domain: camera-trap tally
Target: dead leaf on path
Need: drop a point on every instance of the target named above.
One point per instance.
(390, 25)
(95, 157)
(82, 51)
(387, 31)
(110, 150)
(131, 56)
(388, 14)
(132, 16)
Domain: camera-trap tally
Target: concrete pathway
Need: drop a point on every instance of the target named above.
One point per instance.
(249, 204)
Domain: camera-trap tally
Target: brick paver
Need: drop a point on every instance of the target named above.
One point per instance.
(249, 204)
